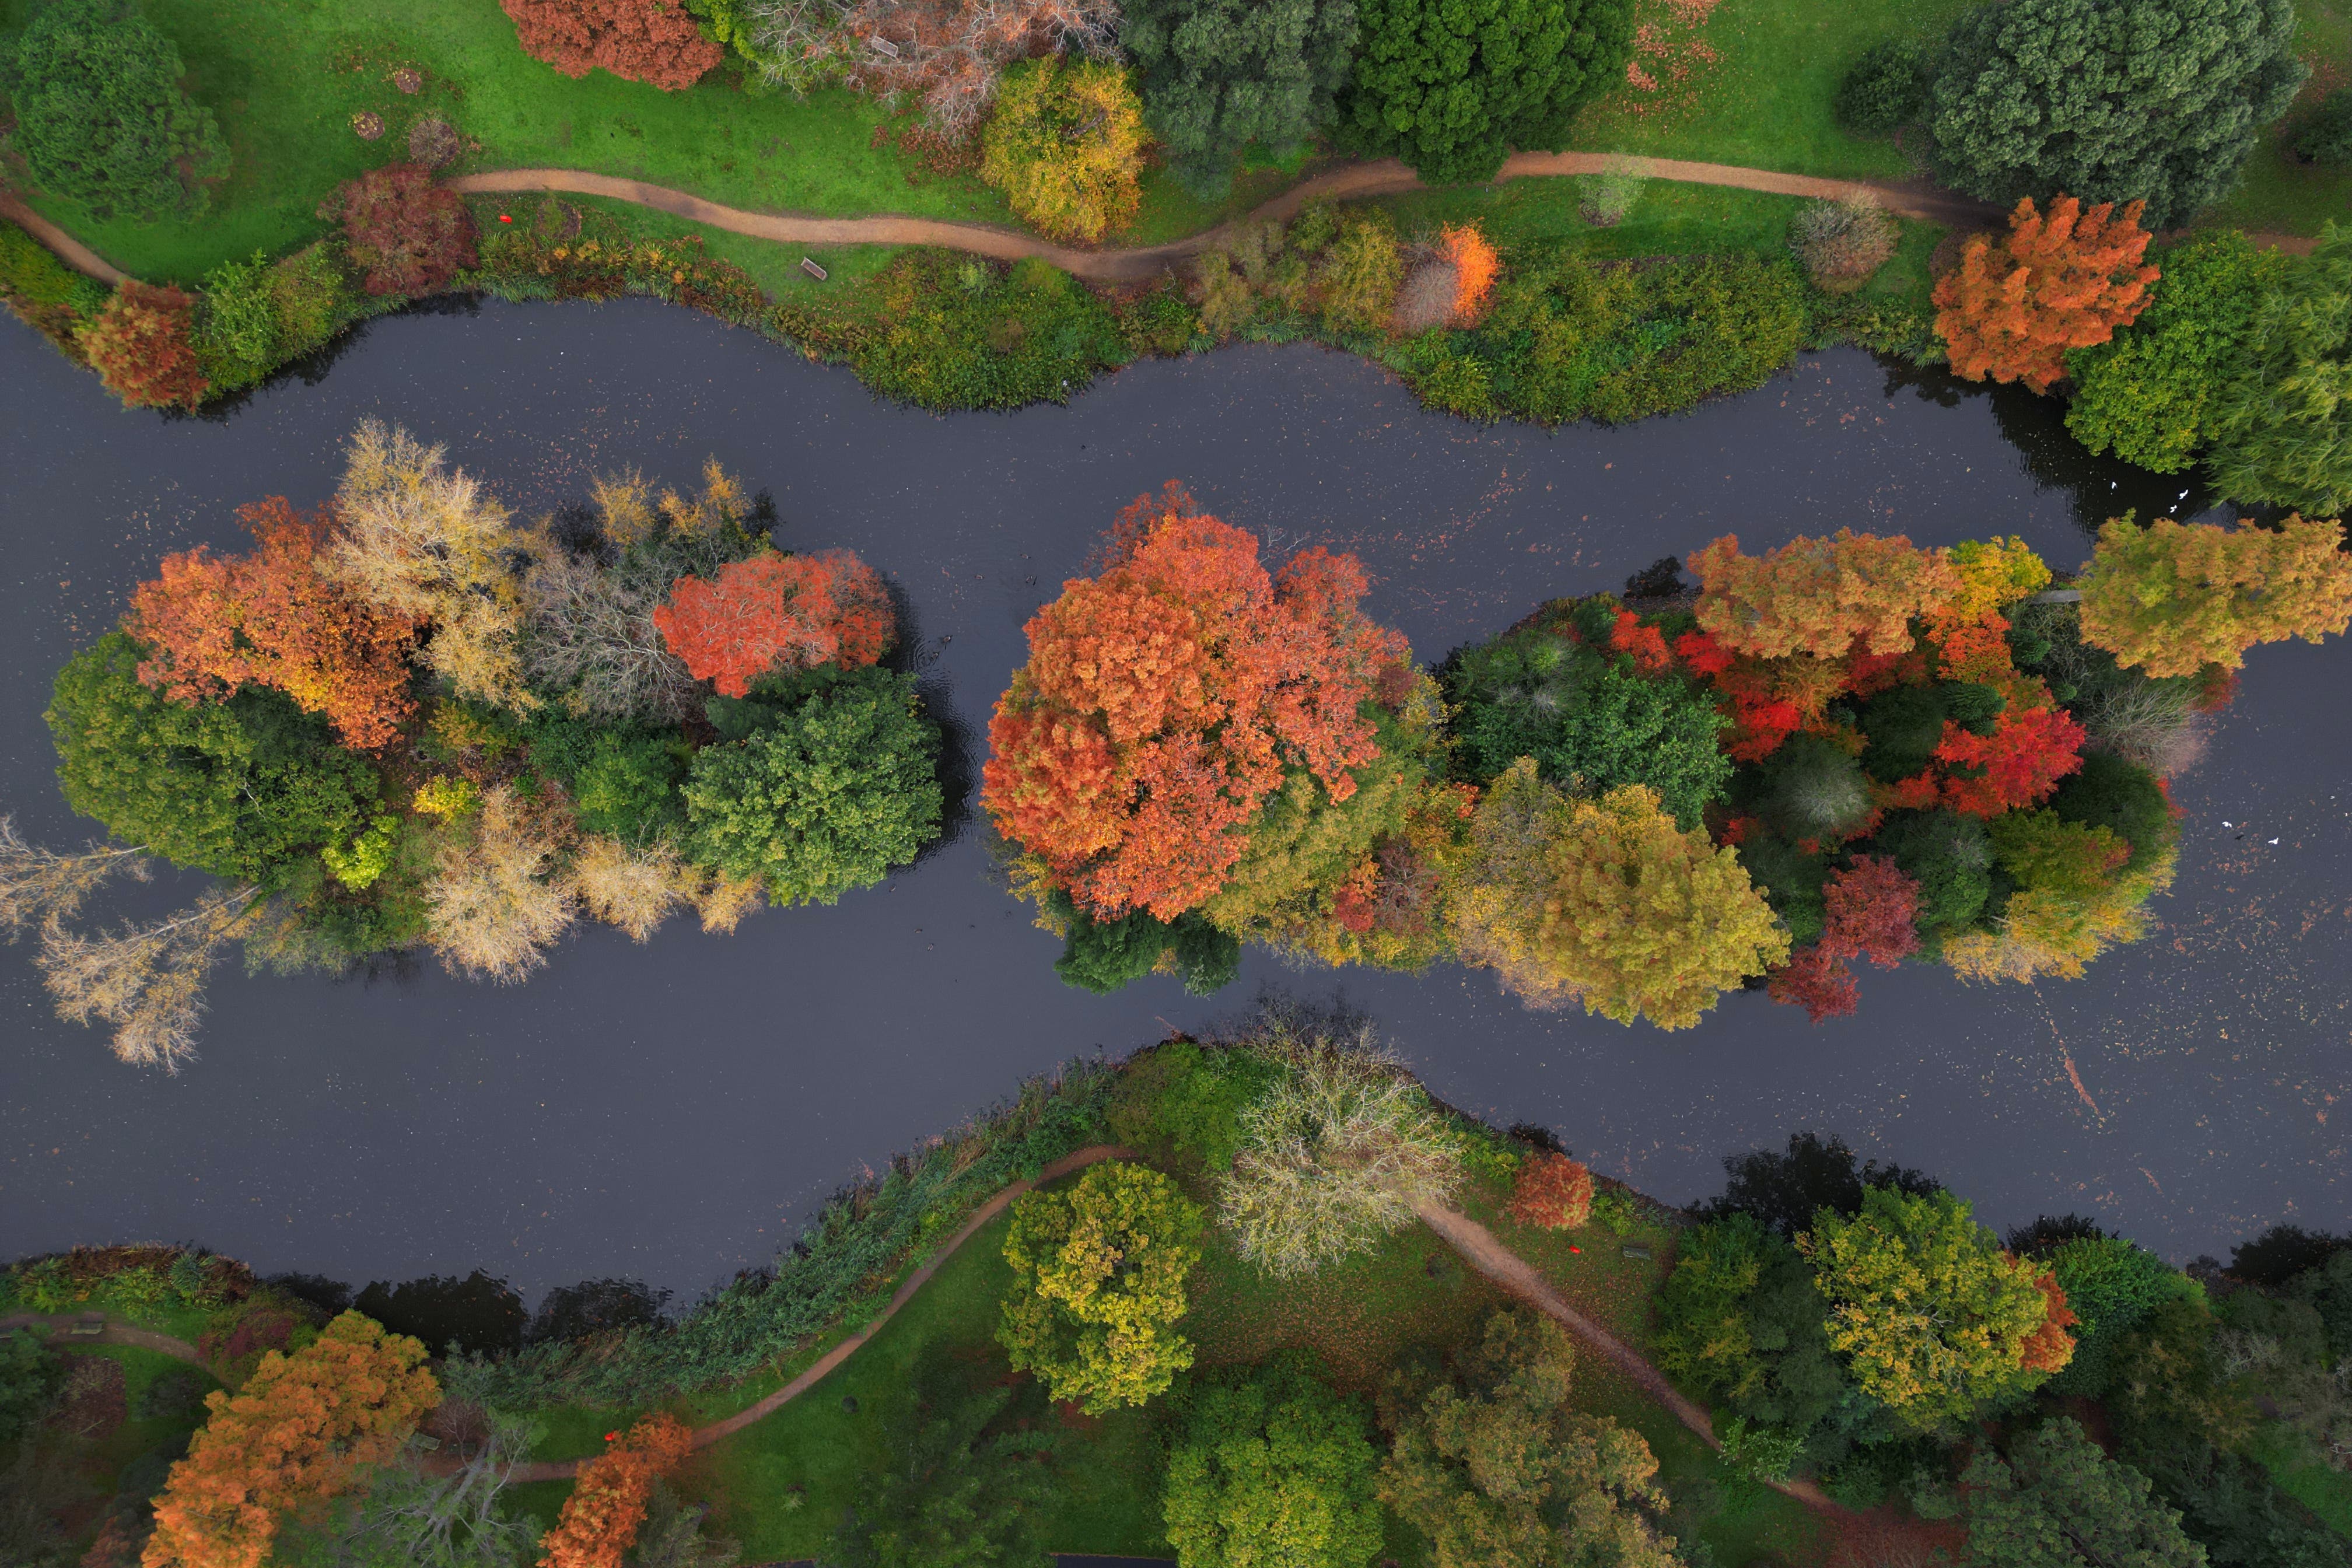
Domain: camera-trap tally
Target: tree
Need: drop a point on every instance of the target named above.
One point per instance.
(1932, 1316)
(1873, 912)
(1220, 75)
(408, 234)
(141, 345)
(271, 618)
(2327, 135)
(2148, 391)
(2056, 1499)
(300, 1429)
(958, 1491)
(2281, 427)
(417, 1516)
(1785, 1188)
(1607, 902)
(498, 900)
(1551, 1191)
(633, 888)
(1340, 1151)
(777, 613)
(101, 118)
(1164, 701)
(1884, 87)
(1064, 145)
(2066, 281)
(422, 540)
(1817, 980)
(1740, 1324)
(652, 41)
(607, 1504)
(1272, 1470)
(1451, 88)
(841, 787)
(2117, 100)
(1489, 1463)
(946, 54)
(1817, 596)
(36, 883)
(2174, 597)
(147, 980)
(1099, 1271)
(2018, 765)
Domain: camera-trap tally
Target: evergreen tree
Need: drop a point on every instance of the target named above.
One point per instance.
(1220, 75)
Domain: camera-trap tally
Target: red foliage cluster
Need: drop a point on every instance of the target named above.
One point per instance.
(777, 612)
(1816, 980)
(2049, 1347)
(607, 1505)
(143, 348)
(1646, 646)
(1873, 912)
(2030, 750)
(637, 40)
(1552, 1191)
(1164, 699)
(408, 234)
(214, 623)
(1761, 718)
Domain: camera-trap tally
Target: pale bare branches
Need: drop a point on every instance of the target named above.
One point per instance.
(723, 900)
(498, 900)
(633, 888)
(946, 54)
(593, 633)
(146, 980)
(37, 883)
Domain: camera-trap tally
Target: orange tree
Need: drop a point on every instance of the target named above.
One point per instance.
(607, 1505)
(777, 612)
(2062, 280)
(654, 41)
(214, 623)
(2174, 598)
(296, 1433)
(141, 348)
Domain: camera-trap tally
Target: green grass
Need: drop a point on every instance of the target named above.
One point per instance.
(2303, 1472)
(2281, 196)
(136, 1437)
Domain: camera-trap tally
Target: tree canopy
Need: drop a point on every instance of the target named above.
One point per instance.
(2281, 423)
(776, 612)
(2174, 597)
(1272, 1469)
(101, 118)
(2061, 281)
(653, 41)
(1220, 75)
(2056, 1501)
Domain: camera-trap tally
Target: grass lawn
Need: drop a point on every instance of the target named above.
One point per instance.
(2280, 194)
(138, 1435)
(2294, 1460)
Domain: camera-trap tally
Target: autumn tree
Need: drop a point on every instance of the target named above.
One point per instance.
(1607, 902)
(1166, 699)
(1819, 597)
(499, 897)
(654, 41)
(607, 1506)
(423, 540)
(634, 889)
(2018, 765)
(1099, 1270)
(147, 979)
(777, 613)
(1932, 1316)
(946, 55)
(35, 882)
(302, 1427)
(407, 233)
(144, 349)
(1065, 146)
(1476, 266)
(2174, 597)
(1873, 912)
(1817, 980)
(2059, 281)
(1551, 1191)
(271, 618)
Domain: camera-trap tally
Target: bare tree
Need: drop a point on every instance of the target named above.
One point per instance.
(592, 635)
(148, 981)
(946, 54)
(633, 888)
(723, 900)
(36, 883)
(496, 903)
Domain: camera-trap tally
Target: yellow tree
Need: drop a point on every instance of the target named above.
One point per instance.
(1817, 595)
(2176, 597)
(1607, 902)
(1064, 145)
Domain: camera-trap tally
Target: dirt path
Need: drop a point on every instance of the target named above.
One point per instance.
(68, 249)
(114, 1333)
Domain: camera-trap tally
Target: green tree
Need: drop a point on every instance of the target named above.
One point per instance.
(30, 1376)
(1220, 75)
(2057, 1500)
(2281, 424)
(960, 1492)
(2112, 1287)
(1099, 1271)
(1452, 86)
(2111, 100)
(2327, 135)
(1272, 1470)
(2174, 597)
(236, 788)
(1932, 1316)
(1740, 1323)
(841, 787)
(2146, 391)
(101, 118)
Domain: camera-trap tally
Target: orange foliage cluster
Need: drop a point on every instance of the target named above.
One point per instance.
(607, 1505)
(777, 612)
(1476, 267)
(1872, 911)
(296, 1433)
(1819, 597)
(214, 623)
(1552, 1191)
(2049, 1347)
(1164, 699)
(142, 347)
(2066, 281)
(637, 40)
(1645, 645)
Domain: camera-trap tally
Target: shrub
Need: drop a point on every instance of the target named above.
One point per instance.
(1840, 243)
(2062, 281)
(1107, 955)
(948, 54)
(2174, 598)
(2327, 135)
(1064, 145)
(777, 613)
(1426, 298)
(1188, 1100)
(99, 117)
(607, 1504)
(1356, 282)
(1551, 1191)
(1884, 87)
(1452, 89)
(307, 291)
(236, 325)
(2118, 100)
(142, 347)
(652, 41)
(407, 234)
(1220, 75)
(1098, 1286)
(2277, 436)
(45, 292)
(1272, 1468)
(1226, 304)
(1609, 198)
(433, 141)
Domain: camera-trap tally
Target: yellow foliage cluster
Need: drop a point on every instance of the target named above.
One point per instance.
(2176, 597)
(1065, 146)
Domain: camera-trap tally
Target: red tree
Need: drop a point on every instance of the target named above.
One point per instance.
(1646, 646)
(637, 40)
(777, 612)
(141, 348)
(2066, 281)
(408, 234)
(1552, 1191)
(1816, 980)
(1873, 912)
(2017, 765)
(2049, 1347)
(601, 1517)
(1164, 699)
(214, 623)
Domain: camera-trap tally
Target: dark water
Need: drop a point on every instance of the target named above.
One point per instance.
(673, 1110)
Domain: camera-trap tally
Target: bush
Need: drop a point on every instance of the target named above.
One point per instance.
(1186, 1102)
(101, 118)
(407, 234)
(1452, 89)
(2327, 136)
(1609, 199)
(2273, 439)
(236, 325)
(652, 41)
(1356, 282)
(1272, 1468)
(1551, 1191)
(1840, 243)
(142, 347)
(43, 291)
(1220, 75)
(1883, 89)
(307, 291)
(1098, 1286)
(1107, 955)
(1064, 143)
(624, 779)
